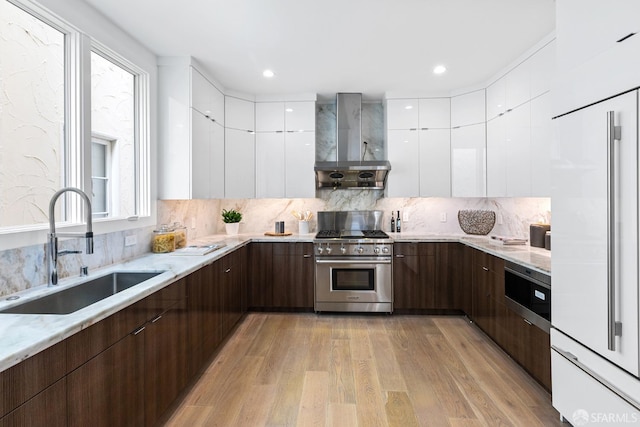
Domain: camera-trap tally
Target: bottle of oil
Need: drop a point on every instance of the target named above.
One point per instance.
(393, 223)
(398, 223)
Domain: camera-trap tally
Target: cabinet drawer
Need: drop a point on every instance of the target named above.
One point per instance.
(28, 378)
(296, 248)
(415, 249)
(489, 262)
(47, 408)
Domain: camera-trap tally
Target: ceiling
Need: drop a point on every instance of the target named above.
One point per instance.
(329, 46)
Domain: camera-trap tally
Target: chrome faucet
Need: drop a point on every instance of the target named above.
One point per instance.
(53, 253)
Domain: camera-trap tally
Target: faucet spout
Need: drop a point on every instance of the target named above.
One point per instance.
(53, 236)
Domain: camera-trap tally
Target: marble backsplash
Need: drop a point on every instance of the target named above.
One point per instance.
(203, 217)
(26, 267)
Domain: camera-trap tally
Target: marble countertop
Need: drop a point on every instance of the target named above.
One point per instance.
(23, 335)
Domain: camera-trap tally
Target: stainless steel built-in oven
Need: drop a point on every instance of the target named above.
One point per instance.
(528, 293)
(354, 284)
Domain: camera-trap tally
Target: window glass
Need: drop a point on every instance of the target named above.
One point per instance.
(32, 109)
(113, 114)
(100, 165)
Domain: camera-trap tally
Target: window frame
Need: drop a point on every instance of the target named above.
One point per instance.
(77, 154)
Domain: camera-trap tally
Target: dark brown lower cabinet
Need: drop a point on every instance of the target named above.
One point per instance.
(293, 270)
(108, 390)
(260, 276)
(47, 409)
(414, 276)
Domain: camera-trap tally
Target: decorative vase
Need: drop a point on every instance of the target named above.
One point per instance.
(232, 228)
(476, 221)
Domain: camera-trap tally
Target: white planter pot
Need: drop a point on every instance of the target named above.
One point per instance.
(232, 228)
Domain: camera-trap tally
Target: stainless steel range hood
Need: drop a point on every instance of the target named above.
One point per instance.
(351, 170)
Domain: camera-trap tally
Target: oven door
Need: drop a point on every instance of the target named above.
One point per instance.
(361, 280)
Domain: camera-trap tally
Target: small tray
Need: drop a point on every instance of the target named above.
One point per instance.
(271, 233)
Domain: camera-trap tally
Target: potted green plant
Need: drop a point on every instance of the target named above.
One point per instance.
(231, 219)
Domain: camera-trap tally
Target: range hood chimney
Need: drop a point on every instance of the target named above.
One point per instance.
(351, 170)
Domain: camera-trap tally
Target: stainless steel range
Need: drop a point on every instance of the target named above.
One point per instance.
(353, 263)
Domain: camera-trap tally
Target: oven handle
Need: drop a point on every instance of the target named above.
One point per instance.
(354, 261)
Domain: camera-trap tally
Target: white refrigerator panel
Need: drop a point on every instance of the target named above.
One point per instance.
(580, 224)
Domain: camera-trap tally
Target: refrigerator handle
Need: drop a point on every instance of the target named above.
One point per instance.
(613, 134)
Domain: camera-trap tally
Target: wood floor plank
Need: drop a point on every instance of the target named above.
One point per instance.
(359, 337)
(389, 371)
(314, 400)
(341, 375)
(319, 354)
(370, 405)
(399, 410)
(342, 414)
(190, 415)
(257, 404)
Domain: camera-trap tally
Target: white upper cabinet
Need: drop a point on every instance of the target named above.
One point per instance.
(518, 144)
(542, 69)
(497, 157)
(468, 109)
(270, 165)
(518, 85)
(402, 113)
(240, 164)
(403, 149)
(207, 158)
(300, 116)
(496, 99)
(541, 143)
(435, 162)
(239, 114)
(300, 155)
(205, 97)
(595, 57)
(270, 116)
(468, 161)
(435, 113)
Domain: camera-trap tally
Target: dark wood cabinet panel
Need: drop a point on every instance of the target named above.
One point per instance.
(28, 378)
(230, 279)
(260, 277)
(211, 309)
(414, 276)
(108, 390)
(165, 364)
(293, 270)
(538, 357)
(46, 409)
(449, 276)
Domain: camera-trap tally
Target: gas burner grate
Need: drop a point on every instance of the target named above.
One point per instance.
(327, 234)
(375, 234)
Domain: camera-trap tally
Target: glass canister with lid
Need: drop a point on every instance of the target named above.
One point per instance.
(164, 240)
(180, 232)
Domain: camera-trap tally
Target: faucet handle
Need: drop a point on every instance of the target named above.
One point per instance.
(84, 271)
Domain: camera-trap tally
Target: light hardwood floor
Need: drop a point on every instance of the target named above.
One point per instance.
(362, 370)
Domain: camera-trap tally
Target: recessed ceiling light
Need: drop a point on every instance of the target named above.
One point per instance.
(268, 73)
(439, 69)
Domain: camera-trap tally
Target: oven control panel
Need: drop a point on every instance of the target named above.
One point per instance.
(354, 249)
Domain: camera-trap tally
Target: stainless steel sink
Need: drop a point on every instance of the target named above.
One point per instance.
(82, 295)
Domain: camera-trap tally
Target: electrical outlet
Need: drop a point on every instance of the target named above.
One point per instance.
(405, 216)
(499, 219)
(130, 240)
(443, 217)
(193, 223)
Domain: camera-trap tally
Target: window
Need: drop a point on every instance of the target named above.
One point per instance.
(46, 142)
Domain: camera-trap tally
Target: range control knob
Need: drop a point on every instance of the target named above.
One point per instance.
(376, 250)
(319, 249)
(360, 249)
(385, 250)
(343, 250)
(328, 250)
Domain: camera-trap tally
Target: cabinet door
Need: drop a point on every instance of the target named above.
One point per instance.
(468, 109)
(543, 69)
(404, 155)
(496, 99)
(166, 365)
(270, 165)
(580, 261)
(260, 281)
(239, 114)
(47, 409)
(414, 274)
(402, 114)
(300, 156)
(195, 310)
(293, 268)
(518, 85)
(518, 144)
(200, 155)
(497, 157)
(108, 390)
(212, 309)
(541, 137)
(435, 113)
(468, 160)
(270, 117)
(240, 166)
(206, 98)
(435, 163)
(216, 164)
(300, 116)
(230, 279)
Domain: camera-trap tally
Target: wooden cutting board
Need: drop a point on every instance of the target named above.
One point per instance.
(271, 233)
